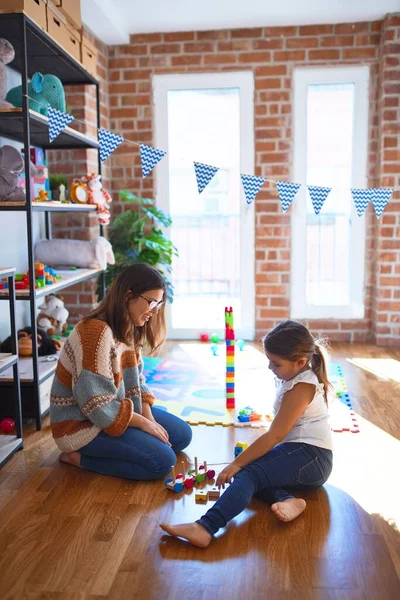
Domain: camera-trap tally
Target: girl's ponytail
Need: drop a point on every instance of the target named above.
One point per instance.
(318, 365)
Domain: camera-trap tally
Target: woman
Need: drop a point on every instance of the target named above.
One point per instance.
(102, 414)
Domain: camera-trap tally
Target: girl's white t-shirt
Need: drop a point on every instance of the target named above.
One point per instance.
(313, 426)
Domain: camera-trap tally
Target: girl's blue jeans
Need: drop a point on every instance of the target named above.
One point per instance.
(136, 454)
(295, 465)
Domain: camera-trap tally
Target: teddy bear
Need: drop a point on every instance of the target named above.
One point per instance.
(11, 166)
(7, 55)
(53, 316)
(98, 196)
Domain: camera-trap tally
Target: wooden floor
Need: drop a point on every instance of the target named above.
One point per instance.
(70, 534)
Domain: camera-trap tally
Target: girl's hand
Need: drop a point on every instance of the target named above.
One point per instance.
(146, 412)
(154, 428)
(227, 474)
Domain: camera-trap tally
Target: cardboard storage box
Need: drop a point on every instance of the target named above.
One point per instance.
(34, 9)
(89, 56)
(72, 10)
(65, 36)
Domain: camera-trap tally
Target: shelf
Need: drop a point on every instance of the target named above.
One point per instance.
(7, 361)
(7, 271)
(50, 206)
(8, 445)
(69, 278)
(12, 126)
(45, 55)
(46, 369)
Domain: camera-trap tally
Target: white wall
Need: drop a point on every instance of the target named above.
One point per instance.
(14, 242)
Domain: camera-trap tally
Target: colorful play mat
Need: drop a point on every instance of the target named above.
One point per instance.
(191, 384)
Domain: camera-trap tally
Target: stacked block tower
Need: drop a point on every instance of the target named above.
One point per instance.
(230, 358)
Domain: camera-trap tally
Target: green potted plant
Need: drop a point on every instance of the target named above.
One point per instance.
(136, 236)
(55, 181)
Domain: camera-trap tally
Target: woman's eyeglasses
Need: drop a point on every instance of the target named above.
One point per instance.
(153, 304)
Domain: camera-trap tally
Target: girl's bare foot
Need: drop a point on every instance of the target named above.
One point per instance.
(192, 532)
(72, 458)
(289, 509)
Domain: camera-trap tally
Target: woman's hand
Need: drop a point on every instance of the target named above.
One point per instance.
(227, 474)
(151, 427)
(146, 411)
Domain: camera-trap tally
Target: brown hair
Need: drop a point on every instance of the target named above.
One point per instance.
(292, 341)
(113, 309)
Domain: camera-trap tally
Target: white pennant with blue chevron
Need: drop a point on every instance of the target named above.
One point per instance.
(361, 199)
(204, 174)
(287, 192)
(150, 157)
(318, 196)
(58, 120)
(108, 142)
(380, 197)
(252, 185)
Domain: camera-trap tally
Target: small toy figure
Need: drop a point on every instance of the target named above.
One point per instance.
(62, 198)
(43, 196)
(239, 447)
(99, 197)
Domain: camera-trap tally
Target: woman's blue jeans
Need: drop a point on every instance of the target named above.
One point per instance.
(136, 454)
(295, 465)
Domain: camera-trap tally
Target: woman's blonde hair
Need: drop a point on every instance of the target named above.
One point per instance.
(292, 341)
(113, 309)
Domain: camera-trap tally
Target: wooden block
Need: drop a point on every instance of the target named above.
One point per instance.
(214, 493)
(201, 497)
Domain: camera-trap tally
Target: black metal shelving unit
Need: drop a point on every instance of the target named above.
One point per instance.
(11, 443)
(36, 51)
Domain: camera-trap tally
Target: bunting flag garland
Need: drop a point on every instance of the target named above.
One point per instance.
(58, 120)
(252, 185)
(287, 192)
(361, 199)
(380, 197)
(150, 157)
(318, 196)
(204, 174)
(108, 142)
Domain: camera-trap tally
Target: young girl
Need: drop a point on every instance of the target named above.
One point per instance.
(101, 409)
(296, 451)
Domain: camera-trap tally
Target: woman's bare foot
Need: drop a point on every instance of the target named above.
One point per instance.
(289, 509)
(72, 458)
(192, 532)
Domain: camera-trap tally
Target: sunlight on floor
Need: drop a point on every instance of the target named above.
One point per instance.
(385, 368)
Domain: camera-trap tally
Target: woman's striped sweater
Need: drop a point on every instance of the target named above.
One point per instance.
(97, 386)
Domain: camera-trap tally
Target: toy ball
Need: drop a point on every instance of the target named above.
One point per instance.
(204, 337)
(215, 338)
(210, 474)
(214, 349)
(189, 483)
(240, 344)
(7, 425)
(178, 488)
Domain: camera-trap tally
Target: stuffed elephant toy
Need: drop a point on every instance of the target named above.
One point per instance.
(43, 91)
(11, 166)
(7, 55)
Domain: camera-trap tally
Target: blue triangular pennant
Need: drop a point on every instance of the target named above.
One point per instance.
(287, 192)
(150, 157)
(108, 142)
(204, 174)
(58, 120)
(318, 196)
(252, 185)
(380, 197)
(361, 199)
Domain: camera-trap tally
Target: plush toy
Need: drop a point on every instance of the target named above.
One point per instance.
(43, 91)
(11, 166)
(77, 253)
(46, 345)
(98, 196)
(53, 316)
(7, 55)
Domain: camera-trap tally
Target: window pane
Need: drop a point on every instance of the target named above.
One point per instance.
(329, 164)
(204, 125)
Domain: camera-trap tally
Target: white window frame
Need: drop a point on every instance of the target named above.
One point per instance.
(359, 75)
(244, 80)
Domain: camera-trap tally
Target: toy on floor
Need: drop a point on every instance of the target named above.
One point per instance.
(7, 425)
(175, 483)
(214, 337)
(248, 414)
(214, 493)
(201, 497)
(239, 447)
(93, 254)
(53, 315)
(200, 474)
(204, 337)
(214, 349)
(230, 358)
(240, 344)
(7, 55)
